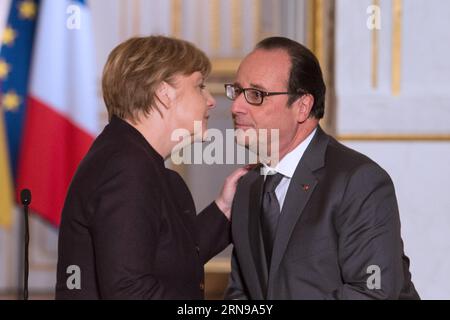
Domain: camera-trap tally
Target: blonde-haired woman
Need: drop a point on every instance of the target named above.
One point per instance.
(129, 224)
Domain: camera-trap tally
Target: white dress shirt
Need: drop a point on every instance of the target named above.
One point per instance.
(287, 167)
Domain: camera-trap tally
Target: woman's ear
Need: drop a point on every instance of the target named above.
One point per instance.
(304, 105)
(166, 94)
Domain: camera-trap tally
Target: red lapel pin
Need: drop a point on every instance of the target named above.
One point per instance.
(305, 187)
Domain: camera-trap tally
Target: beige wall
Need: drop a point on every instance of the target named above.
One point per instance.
(419, 167)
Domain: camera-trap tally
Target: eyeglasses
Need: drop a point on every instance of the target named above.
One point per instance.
(252, 96)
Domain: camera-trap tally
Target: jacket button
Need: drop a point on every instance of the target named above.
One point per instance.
(202, 286)
(198, 249)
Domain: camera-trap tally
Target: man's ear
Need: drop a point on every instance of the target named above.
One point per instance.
(304, 105)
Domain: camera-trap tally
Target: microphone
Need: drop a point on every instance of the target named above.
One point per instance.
(25, 198)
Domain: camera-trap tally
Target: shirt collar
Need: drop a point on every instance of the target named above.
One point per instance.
(289, 163)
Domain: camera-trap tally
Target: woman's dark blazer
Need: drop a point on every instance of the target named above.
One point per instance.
(129, 228)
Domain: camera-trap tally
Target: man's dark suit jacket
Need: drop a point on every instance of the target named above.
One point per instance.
(130, 225)
(339, 217)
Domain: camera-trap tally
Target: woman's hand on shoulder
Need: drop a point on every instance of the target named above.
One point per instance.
(225, 199)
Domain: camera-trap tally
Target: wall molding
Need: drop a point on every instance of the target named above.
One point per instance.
(395, 137)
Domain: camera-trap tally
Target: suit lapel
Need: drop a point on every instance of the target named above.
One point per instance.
(296, 199)
(246, 233)
(300, 189)
(254, 231)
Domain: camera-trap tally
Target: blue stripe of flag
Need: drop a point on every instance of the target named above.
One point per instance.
(18, 57)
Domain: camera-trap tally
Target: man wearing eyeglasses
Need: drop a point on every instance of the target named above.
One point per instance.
(323, 222)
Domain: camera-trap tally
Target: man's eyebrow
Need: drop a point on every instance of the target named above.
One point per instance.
(252, 85)
(258, 86)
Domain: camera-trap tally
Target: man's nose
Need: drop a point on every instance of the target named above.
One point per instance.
(239, 105)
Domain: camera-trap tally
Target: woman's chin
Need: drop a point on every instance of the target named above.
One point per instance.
(203, 135)
(199, 135)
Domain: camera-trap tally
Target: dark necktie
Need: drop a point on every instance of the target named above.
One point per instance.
(270, 212)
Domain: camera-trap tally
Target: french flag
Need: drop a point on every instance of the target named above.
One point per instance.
(61, 113)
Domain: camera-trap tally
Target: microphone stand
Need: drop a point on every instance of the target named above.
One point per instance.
(25, 198)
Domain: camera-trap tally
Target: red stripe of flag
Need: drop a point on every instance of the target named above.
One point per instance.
(51, 150)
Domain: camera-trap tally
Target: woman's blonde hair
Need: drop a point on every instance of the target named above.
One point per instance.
(136, 67)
